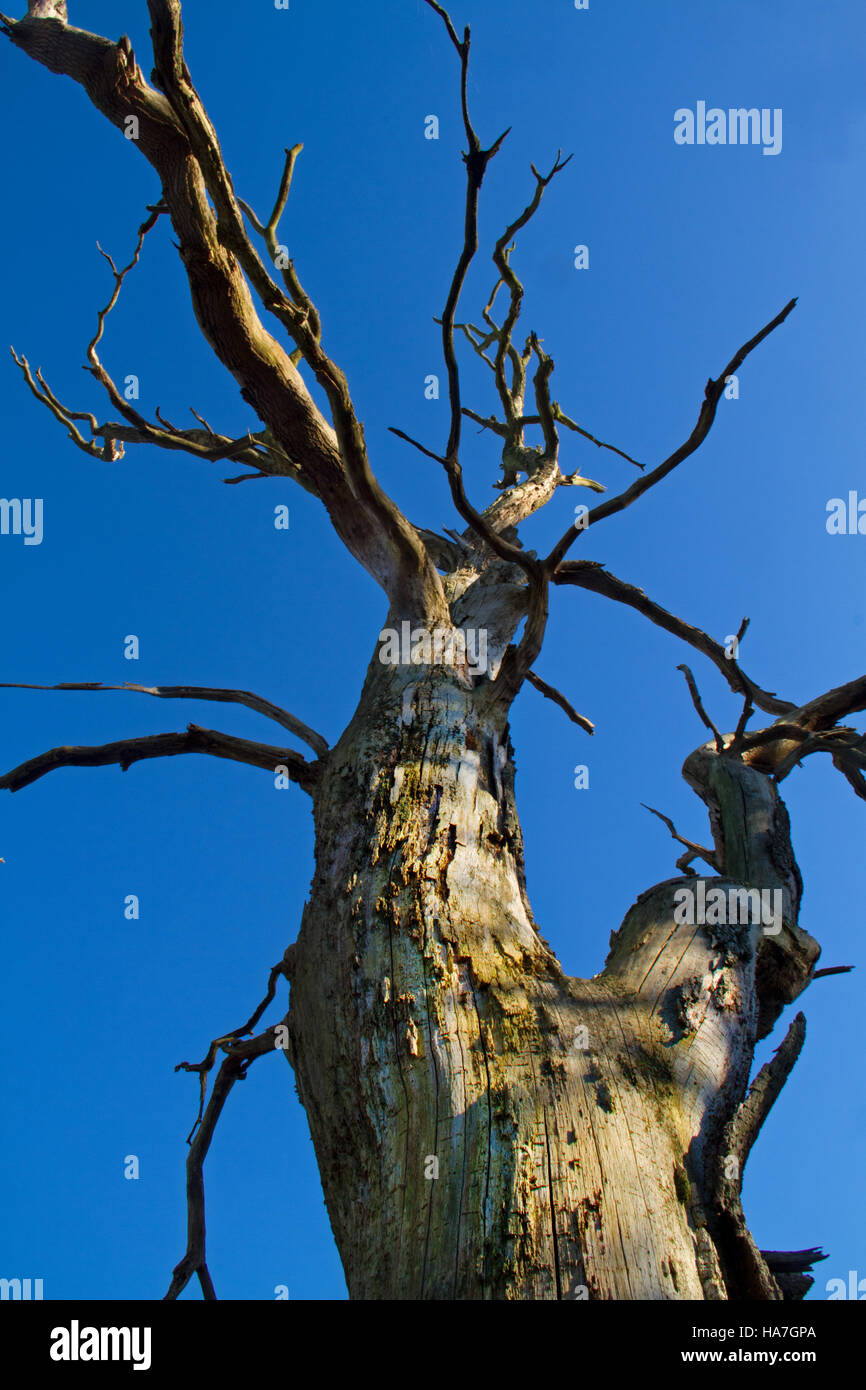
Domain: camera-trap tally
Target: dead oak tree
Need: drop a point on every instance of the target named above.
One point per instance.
(590, 1133)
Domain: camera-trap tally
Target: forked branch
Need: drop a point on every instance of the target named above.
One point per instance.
(693, 850)
(227, 1040)
(412, 582)
(233, 1069)
(258, 451)
(713, 393)
(589, 574)
(812, 728)
(269, 231)
(175, 135)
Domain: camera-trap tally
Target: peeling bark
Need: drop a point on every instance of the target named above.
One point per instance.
(576, 1124)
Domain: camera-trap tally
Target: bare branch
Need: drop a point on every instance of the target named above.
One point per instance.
(562, 419)
(226, 1040)
(503, 428)
(248, 478)
(413, 578)
(702, 714)
(512, 554)
(504, 335)
(176, 136)
(551, 693)
(577, 479)
(269, 232)
(845, 744)
(694, 851)
(852, 775)
(743, 1130)
(489, 422)
(712, 395)
(46, 397)
(589, 574)
(250, 449)
(198, 692)
(133, 750)
(476, 161)
(736, 745)
(233, 1069)
(541, 387)
(483, 342)
(452, 32)
(811, 728)
(259, 451)
(401, 434)
(96, 368)
(517, 661)
(827, 709)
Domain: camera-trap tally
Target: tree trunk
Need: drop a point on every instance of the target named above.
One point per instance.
(485, 1126)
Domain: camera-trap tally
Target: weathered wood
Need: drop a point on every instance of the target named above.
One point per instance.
(575, 1123)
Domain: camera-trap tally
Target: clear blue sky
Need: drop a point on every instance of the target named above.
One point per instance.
(692, 249)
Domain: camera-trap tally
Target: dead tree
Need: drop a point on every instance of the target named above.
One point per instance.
(588, 1135)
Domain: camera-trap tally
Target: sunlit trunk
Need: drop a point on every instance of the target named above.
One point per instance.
(485, 1126)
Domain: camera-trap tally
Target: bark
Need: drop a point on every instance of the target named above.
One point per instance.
(577, 1124)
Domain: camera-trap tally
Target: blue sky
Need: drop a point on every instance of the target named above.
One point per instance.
(692, 249)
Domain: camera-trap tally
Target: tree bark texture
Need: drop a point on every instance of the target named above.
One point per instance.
(576, 1126)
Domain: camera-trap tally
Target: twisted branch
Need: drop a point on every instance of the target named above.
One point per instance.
(233, 1069)
(283, 967)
